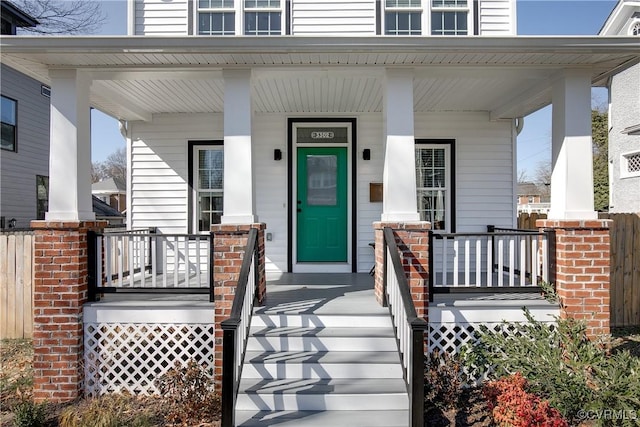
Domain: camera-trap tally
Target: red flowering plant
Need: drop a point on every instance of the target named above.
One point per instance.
(513, 406)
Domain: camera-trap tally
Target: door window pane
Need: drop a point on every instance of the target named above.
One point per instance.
(322, 179)
(209, 184)
(432, 186)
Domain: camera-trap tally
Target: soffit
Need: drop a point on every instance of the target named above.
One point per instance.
(137, 77)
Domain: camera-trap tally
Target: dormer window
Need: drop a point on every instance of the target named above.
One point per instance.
(635, 28)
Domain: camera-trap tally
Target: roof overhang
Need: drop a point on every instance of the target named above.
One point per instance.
(136, 77)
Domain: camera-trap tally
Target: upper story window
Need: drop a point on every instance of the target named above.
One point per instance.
(216, 17)
(635, 29)
(403, 17)
(262, 17)
(449, 17)
(234, 17)
(9, 112)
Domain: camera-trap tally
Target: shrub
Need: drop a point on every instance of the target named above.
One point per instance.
(442, 384)
(27, 413)
(560, 364)
(512, 405)
(188, 390)
(106, 411)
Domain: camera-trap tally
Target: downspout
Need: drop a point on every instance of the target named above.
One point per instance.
(126, 134)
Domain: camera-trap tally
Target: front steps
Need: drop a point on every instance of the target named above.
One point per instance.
(329, 369)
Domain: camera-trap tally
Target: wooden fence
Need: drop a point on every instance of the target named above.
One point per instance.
(16, 284)
(625, 269)
(625, 264)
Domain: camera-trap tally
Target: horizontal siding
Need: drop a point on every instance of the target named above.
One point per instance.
(336, 17)
(18, 170)
(161, 17)
(484, 173)
(497, 18)
(484, 177)
(159, 153)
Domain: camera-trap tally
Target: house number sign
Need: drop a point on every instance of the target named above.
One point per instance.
(322, 135)
(329, 135)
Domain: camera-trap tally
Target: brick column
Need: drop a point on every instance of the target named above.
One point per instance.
(59, 293)
(229, 243)
(582, 271)
(412, 239)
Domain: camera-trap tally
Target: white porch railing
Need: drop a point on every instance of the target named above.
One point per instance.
(143, 261)
(507, 260)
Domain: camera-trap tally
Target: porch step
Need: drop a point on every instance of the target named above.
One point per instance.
(378, 418)
(321, 370)
(293, 338)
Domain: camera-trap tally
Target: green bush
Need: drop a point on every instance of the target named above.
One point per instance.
(27, 413)
(561, 365)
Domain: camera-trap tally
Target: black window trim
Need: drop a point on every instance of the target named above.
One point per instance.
(15, 126)
(452, 174)
(190, 199)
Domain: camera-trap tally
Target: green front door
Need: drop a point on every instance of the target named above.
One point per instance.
(322, 204)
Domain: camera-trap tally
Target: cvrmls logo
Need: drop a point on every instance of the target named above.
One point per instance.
(322, 135)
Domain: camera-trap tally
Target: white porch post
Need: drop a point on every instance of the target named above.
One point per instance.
(70, 148)
(239, 199)
(399, 174)
(572, 158)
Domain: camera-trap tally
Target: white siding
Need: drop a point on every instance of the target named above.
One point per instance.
(161, 17)
(18, 170)
(335, 17)
(484, 174)
(159, 181)
(497, 18)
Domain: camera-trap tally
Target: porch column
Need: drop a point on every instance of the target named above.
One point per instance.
(572, 158)
(399, 173)
(70, 148)
(239, 199)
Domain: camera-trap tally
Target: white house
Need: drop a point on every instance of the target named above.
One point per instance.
(624, 116)
(318, 119)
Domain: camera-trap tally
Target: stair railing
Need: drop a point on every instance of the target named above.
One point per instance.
(235, 329)
(409, 328)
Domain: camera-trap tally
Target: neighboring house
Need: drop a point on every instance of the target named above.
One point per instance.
(104, 212)
(24, 151)
(531, 199)
(624, 116)
(112, 191)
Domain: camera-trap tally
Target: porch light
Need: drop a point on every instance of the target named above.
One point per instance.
(277, 154)
(366, 154)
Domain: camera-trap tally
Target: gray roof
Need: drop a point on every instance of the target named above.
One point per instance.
(110, 185)
(528, 189)
(101, 209)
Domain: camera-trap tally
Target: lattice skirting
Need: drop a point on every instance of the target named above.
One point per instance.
(131, 356)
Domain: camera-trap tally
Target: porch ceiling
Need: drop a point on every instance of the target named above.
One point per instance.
(136, 77)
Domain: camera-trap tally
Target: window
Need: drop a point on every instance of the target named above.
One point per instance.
(449, 17)
(403, 17)
(635, 29)
(433, 182)
(216, 17)
(42, 196)
(630, 165)
(262, 17)
(206, 184)
(9, 124)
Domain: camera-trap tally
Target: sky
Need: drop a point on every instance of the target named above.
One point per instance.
(535, 17)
